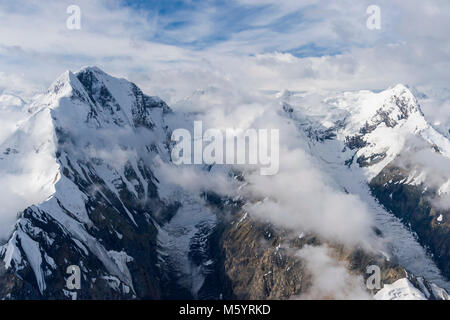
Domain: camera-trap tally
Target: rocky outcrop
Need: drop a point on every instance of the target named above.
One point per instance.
(256, 260)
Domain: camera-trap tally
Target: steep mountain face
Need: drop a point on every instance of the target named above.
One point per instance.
(96, 197)
(99, 135)
(411, 203)
(378, 137)
(259, 262)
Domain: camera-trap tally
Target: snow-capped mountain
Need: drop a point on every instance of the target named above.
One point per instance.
(382, 140)
(96, 137)
(374, 126)
(88, 158)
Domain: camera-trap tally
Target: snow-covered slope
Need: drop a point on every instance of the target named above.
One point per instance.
(403, 289)
(28, 168)
(400, 290)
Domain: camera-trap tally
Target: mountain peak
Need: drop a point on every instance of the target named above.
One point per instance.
(284, 95)
(89, 141)
(399, 103)
(92, 96)
(399, 87)
(404, 91)
(93, 69)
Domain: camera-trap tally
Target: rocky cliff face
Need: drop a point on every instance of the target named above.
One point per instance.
(260, 261)
(412, 204)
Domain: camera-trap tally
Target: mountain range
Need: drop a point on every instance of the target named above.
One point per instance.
(87, 163)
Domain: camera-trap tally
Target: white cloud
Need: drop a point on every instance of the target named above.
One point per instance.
(195, 180)
(330, 279)
(301, 198)
(316, 205)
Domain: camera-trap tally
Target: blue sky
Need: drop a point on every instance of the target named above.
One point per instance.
(227, 19)
(178, 15)
(306, 28)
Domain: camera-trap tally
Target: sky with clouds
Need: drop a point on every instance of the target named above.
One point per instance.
(171, 48)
